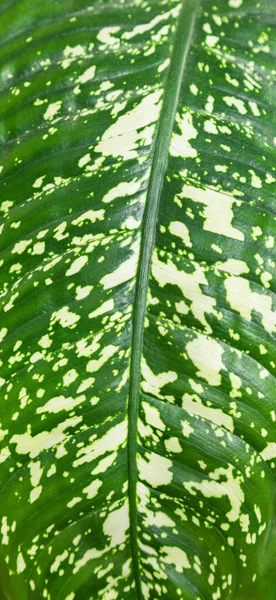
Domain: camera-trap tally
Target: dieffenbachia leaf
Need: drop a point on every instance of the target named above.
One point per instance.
(138, 413)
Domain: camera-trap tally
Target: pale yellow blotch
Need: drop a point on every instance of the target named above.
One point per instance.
(84, 160)
(126, 569)
(65, 317)
(244, 522)
(103, 309)
(254, 108)
(109, 442)
(3, 333)
(39, 248)
(89, 215)
(182, 308)
(140, 29)
(74, 51)
(35, 493)
(84, 348)
(59, 231)
(155, 469)
(210, 127)
(83, 292)
(256, 181)
(270, 242)
(85, 385)
(36, 472)
(152, 383)
(266, 278)
(125, 188)
(87, 75)
(130, 223)
(237, 103)
(26, 444)
(202, 464)
(88, 555)
(59, 403)
(187, 430)
(145, 590)
(206, 355)
(4, 454)
(180, 230)
(36, 357)
(10, 303)
(45, 341)
(242, 299)
(58, 560)
(209, 107)
(71, 54)
(180, 143)
(73, 502)
(196, 386)
(230, 486)
(116, 525)
(130, 128)
(122, 274)
(233, 266)
(236, 381)
(176, 557)
(106, 354)
(235, 3)
(221, 168)
(194, 89)
(77, 265)
(192, 403)
(20, 563)
(211, 40)
(5, 531)
(69, 377)
(258, 513)
(207, 28)
(92, 489)
(256, 232)
(105, 36)
(21, 246)
(152, 415)
(218, 212)
(52, 471)
(190, 285)
(105, 463)
(159, 519)
(52, 110)
(173, 445)
(3, 433)
(164, 65)
(269, 451)
(38, 182)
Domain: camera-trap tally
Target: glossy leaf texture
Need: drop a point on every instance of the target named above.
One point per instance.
(138, 409)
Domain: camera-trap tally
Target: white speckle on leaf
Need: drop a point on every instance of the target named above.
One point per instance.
(52, 110)
(155, 469)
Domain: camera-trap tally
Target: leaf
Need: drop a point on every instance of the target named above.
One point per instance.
(137, 298)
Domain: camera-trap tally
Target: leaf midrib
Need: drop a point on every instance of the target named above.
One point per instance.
(180, 50)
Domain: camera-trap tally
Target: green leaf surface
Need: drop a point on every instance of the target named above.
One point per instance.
(137, 282)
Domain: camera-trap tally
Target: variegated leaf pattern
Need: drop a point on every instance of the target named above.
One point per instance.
(138, 413)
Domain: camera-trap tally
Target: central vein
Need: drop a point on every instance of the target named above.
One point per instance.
(159, 164)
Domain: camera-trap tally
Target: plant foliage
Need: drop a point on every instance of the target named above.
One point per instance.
(138, 411)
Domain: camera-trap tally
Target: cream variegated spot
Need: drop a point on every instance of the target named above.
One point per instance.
(137, 291)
